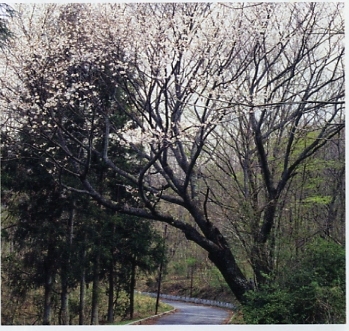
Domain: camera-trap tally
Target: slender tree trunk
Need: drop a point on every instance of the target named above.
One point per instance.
(95, 290)
(96, 268)
(160, 274)
(132, 287)
(117, 292)
(111, 294)
(191, 281)
(82, 286)
(49, 281)
(64, 311)
(48, 300)
(82, 297)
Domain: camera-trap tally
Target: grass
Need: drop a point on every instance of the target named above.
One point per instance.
(145, 307)
(237, 318)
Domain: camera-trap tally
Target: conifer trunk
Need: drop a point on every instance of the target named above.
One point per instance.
(64, 311)
(82, 295)
(48, 286)
(95, 291)
(48, 300)
(132, 287)
(111, 294)
(82, 284)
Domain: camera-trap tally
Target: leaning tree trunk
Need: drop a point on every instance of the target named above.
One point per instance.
(219, 253)
(226, 264)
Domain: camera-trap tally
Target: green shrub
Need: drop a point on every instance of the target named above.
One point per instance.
(269, 305)
(311, 290)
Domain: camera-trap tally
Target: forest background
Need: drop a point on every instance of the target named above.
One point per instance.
(205, 140)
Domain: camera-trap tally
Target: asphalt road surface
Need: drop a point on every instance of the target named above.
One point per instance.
(188, 313)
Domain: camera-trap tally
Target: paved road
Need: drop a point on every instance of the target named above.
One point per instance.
(188, 313)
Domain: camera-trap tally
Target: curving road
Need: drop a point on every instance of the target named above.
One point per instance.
(188, 313)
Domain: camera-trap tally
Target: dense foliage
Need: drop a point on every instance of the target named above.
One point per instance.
(52, 237)
(310, 290)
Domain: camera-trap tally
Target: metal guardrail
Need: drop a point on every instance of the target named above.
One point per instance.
(192, 300)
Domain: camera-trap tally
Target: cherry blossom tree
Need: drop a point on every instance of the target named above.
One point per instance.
(236, 87)
(292, 106)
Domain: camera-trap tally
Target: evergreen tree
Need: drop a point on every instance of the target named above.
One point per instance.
(66, 225)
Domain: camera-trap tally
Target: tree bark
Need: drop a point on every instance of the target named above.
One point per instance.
(191, 281)
(49, 281)
(132, 287)
(219, 252)
(110, 318)
(64, 311)
(82, 288)
(82, 298)
(160, 273)
(48, 300)
(225, 262)
(95, 291)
